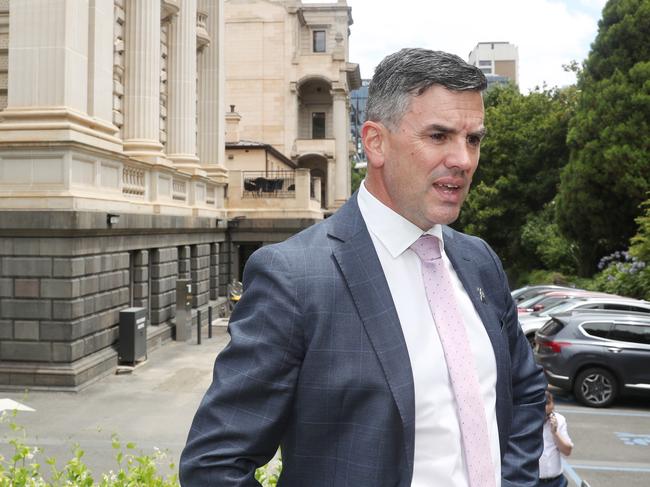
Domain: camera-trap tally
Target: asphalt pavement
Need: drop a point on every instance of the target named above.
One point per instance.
(152, 406)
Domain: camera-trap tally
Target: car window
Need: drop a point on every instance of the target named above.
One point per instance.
(588, 306)
(552, 327)
(600, 330)
(528, 303)
(638, 309)
(618, 307)
(557, 308)
(631, 333)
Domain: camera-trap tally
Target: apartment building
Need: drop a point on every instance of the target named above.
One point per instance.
(498, 60)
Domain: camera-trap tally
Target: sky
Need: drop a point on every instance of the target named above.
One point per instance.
(548, 33)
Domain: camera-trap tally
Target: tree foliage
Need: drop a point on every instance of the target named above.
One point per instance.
(519, 171)
(608, 175)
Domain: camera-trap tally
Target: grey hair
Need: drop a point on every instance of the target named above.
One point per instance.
(410, 72)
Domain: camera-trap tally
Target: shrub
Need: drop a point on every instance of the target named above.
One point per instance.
(133, 469)
(622, 273)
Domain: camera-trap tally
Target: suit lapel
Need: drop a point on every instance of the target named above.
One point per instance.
(356, 256)
(467, 268)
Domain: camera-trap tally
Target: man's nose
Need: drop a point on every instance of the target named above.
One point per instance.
(461, 155)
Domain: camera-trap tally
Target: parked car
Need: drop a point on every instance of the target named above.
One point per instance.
(532, 322)
(551, 298)
(527, 292)
(599, 355)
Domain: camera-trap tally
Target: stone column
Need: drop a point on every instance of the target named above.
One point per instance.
(49, 72)
(100, 60)
(181, 86)
(341, 135)
(211, 92)
(142, 80)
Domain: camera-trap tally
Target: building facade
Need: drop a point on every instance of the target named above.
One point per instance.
(498, 60)
(114, 180)
(288, 75)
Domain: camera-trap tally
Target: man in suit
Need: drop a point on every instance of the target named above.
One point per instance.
(339, 351)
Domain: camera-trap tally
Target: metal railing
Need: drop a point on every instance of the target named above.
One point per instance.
(269, 184)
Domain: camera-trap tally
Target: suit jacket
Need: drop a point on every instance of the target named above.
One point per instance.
(317, 362)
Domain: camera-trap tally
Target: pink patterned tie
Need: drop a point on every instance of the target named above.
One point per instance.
(460, 362)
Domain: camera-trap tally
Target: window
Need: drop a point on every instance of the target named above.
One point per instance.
(631, 333)
(318, 125)
(319, 40)
(552, 327)
(487, 70)
(485, 63)
(600, 330)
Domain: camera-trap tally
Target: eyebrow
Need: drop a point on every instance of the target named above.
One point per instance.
(448, 130)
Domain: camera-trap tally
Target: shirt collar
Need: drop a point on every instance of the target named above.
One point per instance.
(394, 231)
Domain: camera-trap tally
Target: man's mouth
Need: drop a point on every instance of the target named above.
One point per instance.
(447, 187)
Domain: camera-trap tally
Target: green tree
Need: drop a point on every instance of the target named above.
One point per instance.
(356, 176)
(640, 247)
(608, 175)
(521, 158)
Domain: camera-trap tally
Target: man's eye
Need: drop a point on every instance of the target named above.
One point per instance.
(439, 137)
(474, 140)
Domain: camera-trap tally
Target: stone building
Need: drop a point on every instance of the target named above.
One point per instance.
(289, 77)
(114, 181)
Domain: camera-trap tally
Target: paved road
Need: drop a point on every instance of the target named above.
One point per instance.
(612, 446)
(153, 407)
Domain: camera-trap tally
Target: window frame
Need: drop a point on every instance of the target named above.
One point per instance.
(314, 117)
(315, 41)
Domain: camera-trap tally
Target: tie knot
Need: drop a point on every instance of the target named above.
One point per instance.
(427, 248)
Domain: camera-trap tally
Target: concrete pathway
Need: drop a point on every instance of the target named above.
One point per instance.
(152, 406)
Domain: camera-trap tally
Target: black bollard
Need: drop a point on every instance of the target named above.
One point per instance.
(198, 327)
(209, 321)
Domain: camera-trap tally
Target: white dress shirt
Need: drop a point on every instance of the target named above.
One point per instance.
(550, 463)
(439, 459)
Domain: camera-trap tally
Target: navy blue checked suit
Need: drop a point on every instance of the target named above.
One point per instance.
(317, 363)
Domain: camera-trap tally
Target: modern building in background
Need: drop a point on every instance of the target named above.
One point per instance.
(498, 60)
(114, 178)
(358, 115)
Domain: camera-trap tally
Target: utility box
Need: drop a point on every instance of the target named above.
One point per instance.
(133, 335)
(183, 310)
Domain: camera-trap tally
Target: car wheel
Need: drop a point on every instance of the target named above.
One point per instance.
(596, 387)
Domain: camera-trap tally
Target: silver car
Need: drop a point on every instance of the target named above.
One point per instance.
(532, 322)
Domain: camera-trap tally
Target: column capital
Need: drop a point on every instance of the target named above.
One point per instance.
(339, 94)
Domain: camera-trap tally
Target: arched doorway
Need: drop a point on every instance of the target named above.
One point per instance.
(315, 109)
(318, 169)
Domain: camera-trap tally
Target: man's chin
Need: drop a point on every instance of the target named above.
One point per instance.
(445, 217)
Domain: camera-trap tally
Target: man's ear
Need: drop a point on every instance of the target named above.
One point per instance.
(374, 139)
